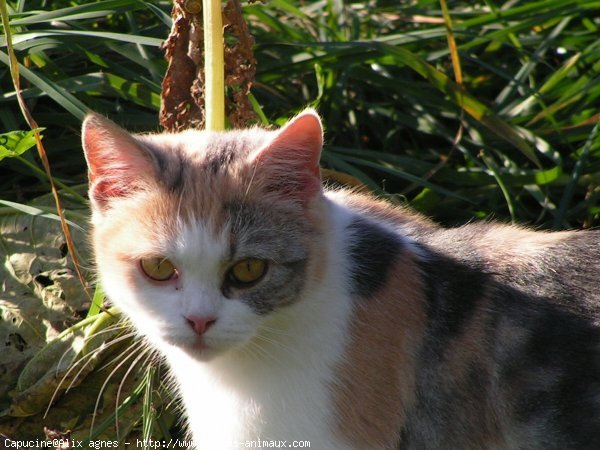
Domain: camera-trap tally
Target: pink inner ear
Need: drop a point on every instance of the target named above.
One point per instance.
(290, 162)
(117, 164)
(304, 137)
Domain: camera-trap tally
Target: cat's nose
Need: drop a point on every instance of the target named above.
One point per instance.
(200, 323)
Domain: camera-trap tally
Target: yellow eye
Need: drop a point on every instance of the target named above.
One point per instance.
(248, 271)
(158, 269)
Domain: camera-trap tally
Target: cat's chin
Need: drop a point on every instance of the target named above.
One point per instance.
(202, 352)
(197, 349)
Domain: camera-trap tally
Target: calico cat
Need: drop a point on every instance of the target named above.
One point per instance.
(290, 312)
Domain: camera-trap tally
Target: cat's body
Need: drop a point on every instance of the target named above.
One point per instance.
(363, 326)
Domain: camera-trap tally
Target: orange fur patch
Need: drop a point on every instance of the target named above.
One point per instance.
(384, 210)
(376, 381)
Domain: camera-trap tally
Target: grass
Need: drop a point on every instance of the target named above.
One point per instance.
(488, 111)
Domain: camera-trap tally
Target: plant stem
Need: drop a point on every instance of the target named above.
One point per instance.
(214, 75)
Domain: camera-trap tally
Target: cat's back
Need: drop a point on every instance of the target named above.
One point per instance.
(560, 267)
(508, 355)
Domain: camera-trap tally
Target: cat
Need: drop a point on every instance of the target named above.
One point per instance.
(287, 311)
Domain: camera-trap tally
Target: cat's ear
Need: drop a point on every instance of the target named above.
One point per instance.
(290, 162)
(117, 164)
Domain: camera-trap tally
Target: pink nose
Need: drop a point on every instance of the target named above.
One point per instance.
(200, 324)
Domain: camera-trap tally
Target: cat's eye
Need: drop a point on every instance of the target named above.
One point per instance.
(247, 271)
(158, 269)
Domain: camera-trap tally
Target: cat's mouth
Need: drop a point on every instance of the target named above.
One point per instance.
(201, 350)
(196, 344)
(199, 347)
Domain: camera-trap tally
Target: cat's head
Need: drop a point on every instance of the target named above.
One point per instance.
(200, 236)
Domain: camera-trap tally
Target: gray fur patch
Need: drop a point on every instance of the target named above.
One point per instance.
(372, 250)
(275, 235)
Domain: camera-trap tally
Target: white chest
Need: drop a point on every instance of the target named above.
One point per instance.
(289, 401)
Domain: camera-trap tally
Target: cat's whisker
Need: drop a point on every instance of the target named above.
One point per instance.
(182, 195)
(254, 351)
(277, 331)
(90, 358)
(105, 383)
(290, 351)
(145, 351)
(121, 354)
(108, 330)
(263, 352)
(271, 334)
(64, 377)
(85, 340)
(249, 185)
(83, 361)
